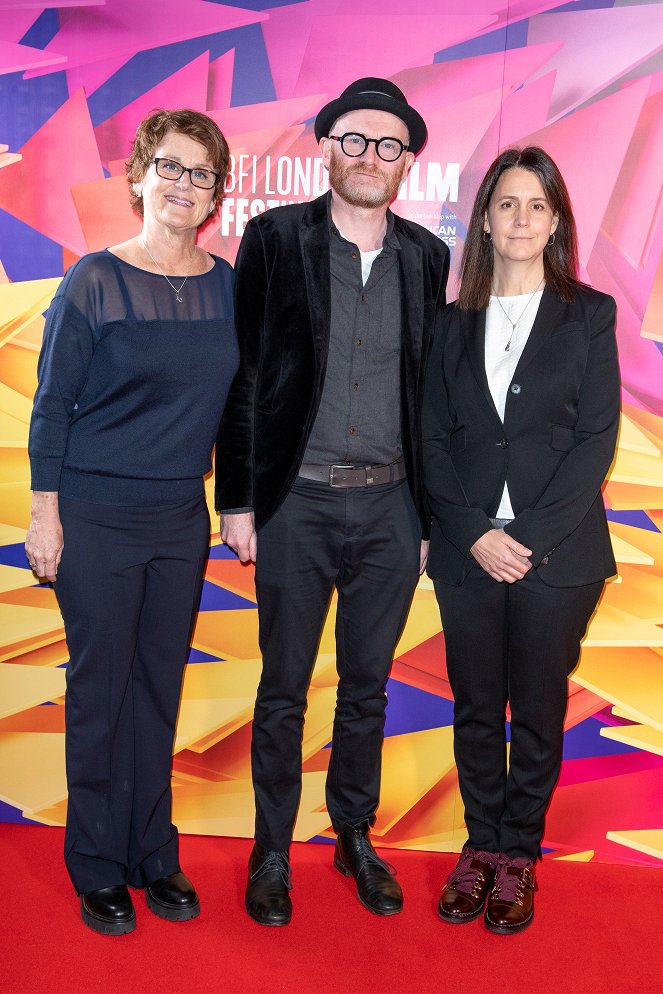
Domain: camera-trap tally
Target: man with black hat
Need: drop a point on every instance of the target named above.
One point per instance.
(319, 470)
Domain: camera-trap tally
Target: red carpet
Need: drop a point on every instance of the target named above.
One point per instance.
(597, 929)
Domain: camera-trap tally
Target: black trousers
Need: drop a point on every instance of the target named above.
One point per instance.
(128, 587)
(518, 643)
(365, 542)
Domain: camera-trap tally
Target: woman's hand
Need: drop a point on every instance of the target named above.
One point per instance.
(44, 542)
(501, 556)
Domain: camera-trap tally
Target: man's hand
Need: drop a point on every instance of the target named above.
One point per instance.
(423, 555)
(238, 531)
(44, 542)
(501, 556)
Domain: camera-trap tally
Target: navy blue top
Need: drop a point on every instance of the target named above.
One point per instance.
(132, 383)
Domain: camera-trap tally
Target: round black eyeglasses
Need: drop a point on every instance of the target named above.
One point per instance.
(204, 179)
(353, 144)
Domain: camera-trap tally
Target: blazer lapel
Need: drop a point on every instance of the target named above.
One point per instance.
(412, 305)
(547, 317)
(473, 324)
(314, 246)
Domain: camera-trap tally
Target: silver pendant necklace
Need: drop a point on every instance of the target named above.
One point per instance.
(176, 289)
(518, 319)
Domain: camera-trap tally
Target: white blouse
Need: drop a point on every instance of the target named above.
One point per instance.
(501, 362)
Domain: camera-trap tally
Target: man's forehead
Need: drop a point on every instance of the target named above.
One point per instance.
(373, 124)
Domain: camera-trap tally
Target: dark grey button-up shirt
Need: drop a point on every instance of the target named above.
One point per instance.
(359, 418)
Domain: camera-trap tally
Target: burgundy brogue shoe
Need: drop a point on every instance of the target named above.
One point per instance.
(468, 886)
(510, 906)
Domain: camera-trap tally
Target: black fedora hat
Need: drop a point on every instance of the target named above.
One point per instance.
(373, 93)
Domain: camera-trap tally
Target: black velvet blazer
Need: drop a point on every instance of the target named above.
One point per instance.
(554, 448)
(283, 296)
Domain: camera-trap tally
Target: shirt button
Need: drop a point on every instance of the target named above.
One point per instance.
(354, 255)
(355, 386)
(352, 430)
(502, 443)
(357, 341)
(515, 388)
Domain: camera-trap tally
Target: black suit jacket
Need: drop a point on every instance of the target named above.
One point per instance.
(283, 303)
(554, 448)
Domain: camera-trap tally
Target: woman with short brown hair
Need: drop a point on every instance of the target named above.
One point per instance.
(139, 352)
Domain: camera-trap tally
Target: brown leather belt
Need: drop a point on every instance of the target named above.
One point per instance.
(354, 476)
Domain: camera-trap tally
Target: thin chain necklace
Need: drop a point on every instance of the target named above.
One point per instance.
(517, 321)
(176, 289)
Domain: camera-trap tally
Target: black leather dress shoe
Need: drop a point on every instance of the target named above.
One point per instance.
(267, 891)
(109, 910)
(355, 856)
(467, 886)
(173, 898)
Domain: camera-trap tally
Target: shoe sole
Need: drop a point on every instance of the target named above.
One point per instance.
(171, 914)
(105, 927)
(261, 921)
(342, 868)
(508, 929)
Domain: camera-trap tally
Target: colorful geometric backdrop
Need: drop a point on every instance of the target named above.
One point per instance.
(584, 80)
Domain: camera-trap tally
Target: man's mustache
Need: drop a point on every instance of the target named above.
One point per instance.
(366, 170)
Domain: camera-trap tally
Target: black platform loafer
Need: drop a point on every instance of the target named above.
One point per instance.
(109, 910)
(267, 891)
(355, 857)
(173, 898)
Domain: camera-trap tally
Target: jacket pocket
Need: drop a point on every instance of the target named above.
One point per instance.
(569, 326)
(562, 438)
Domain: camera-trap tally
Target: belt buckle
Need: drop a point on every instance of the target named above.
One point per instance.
(336, 466)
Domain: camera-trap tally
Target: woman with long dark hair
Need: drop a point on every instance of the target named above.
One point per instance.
(521, 414)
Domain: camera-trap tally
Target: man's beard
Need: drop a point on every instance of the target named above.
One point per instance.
(358, 192)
